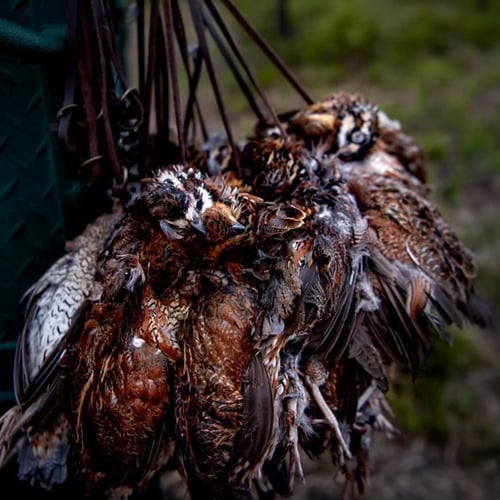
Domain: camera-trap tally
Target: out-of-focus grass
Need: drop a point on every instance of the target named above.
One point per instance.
(429, 406)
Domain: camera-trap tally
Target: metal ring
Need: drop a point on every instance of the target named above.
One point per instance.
(90, 160)
(121, 186)
(65, 108)
(127, 92)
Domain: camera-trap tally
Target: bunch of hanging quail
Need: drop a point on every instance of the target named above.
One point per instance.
(246, 304)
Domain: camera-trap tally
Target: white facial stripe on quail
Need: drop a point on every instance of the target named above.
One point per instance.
(206, 199)
(167, 176)
(346, 126)
(191, 213)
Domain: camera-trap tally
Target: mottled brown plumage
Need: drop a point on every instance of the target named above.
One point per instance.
(225, 387)
(217, 354)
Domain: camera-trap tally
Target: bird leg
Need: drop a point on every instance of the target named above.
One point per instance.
(376, 400)
(293, 439)
(329, 416)
(367, 394)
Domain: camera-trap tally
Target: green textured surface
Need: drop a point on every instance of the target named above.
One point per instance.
(31, 44)
(43, 202)
(31, 223)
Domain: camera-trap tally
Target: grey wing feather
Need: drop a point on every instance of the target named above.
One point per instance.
(257, 419)
(53, 304)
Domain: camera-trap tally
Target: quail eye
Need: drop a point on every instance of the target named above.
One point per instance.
(358, 137)
(199, 205)
(177, 212)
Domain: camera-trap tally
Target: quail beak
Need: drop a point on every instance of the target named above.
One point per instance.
(198, 226)
(169, 231)
(348, 151)
(238, 228)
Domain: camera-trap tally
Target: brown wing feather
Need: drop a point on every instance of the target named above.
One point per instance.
(257, 418)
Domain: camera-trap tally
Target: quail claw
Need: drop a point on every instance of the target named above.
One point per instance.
(329, 416)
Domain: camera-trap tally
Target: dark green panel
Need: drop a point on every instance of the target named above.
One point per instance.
(43, 201)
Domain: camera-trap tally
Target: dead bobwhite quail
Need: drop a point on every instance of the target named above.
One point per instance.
(399, 273)
(128, 344)
(225, 388)
(327, 256)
